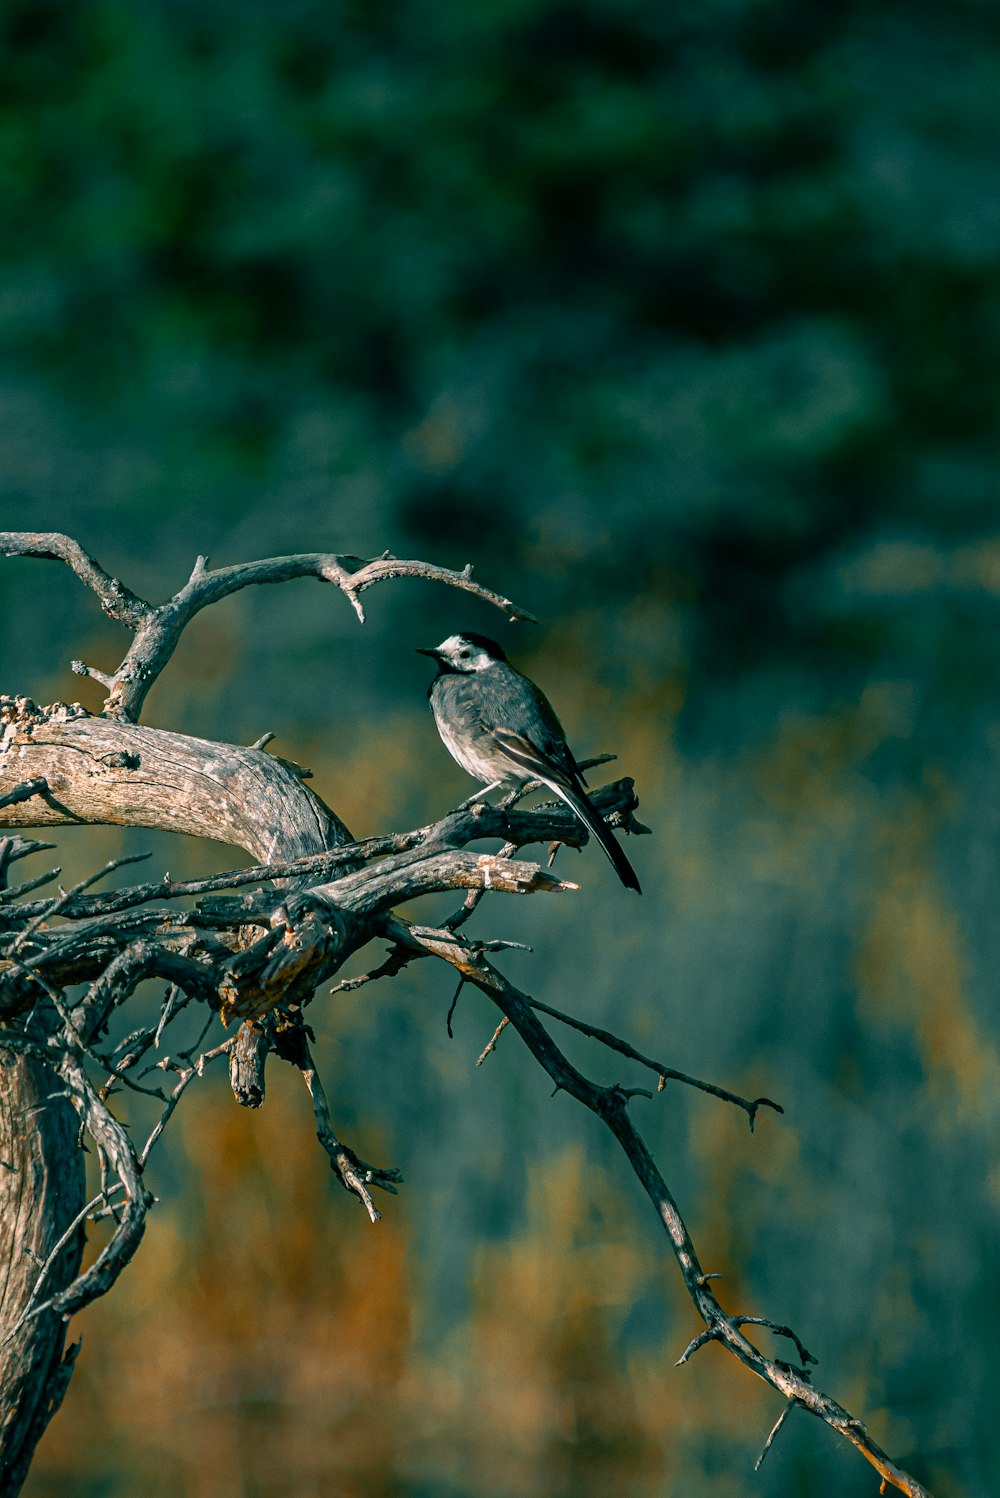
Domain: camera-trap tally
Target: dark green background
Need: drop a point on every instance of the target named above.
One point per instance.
(681, 323)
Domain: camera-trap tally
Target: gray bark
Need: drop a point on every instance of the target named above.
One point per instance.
(41, 1195)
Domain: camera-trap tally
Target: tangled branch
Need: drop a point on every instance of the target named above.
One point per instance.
(118, 939)
(252, 948)
(430, 857)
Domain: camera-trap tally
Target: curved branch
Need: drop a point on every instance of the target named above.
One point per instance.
(157, 628)
(117, 601)
(354, 1174)
(751, 1106)
(114, 1141)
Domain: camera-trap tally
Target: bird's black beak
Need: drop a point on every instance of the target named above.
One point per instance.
(432, 653)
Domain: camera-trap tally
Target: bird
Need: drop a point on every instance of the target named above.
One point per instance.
(500, 727)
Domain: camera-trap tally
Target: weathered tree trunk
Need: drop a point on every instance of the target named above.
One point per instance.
(97, 770)
(41, 1194)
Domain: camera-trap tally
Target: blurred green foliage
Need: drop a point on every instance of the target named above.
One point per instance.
(717, 282)
(681, 323)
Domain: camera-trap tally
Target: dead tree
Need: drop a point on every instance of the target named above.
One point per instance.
(250, 951)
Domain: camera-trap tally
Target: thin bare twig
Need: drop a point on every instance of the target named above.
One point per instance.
(187, 1076)
(789, 1406)
(16, 891)
(750, 1106)
(491, 1044)
(353, 1173)
(55, 907)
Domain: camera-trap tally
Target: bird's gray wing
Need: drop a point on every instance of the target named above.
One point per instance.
(520, 749)
(526, 729)
(525, 726)
(568, 785)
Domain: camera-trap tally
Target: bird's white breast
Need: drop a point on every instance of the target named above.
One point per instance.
(465, 750)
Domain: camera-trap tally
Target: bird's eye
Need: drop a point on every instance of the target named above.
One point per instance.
(464, 654)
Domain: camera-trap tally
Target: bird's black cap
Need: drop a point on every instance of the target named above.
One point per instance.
(481, 642)
(485, 643)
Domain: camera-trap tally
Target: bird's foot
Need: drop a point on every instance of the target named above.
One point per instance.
(479, 795)
(518, 793)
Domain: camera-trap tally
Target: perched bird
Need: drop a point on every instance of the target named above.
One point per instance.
(500, 728)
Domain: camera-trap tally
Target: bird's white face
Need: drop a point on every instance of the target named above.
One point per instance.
(464, 655)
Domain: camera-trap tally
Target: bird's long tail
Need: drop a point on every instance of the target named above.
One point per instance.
(579, 802)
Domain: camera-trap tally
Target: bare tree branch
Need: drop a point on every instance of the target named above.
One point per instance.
(610, 1106)
(353, 1173)
(116, 600)
(467, 824)
(665, 1073)
(157, 628)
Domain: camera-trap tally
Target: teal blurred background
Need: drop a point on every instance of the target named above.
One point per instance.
(681, 323)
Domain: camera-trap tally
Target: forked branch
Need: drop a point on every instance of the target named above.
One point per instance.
(157, 627)
(610, 1104)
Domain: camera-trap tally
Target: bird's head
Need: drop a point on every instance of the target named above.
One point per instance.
(466, 654)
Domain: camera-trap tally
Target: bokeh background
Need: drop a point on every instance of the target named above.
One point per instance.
(681, 323)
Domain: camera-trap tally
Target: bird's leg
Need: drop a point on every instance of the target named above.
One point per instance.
(513, 796)
(478, 795)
